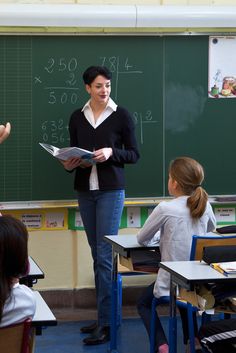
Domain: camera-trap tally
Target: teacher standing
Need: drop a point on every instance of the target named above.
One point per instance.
(108, 130)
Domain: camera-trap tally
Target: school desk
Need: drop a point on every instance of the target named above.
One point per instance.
(43, 315)
(187, 274)
(34, 274)
(121, 245)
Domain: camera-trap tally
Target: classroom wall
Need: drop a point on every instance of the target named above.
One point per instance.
(64, 256)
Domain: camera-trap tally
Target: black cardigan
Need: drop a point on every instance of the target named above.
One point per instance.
(117, 132)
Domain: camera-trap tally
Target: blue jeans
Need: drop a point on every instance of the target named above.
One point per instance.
(101, 213)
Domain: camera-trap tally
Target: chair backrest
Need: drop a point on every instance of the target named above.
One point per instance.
(15, 338)
(199, 242)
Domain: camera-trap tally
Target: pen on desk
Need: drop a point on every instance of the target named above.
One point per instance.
(217, 268)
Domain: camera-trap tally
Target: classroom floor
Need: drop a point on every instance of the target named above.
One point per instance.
(132, 337)
(66, 336)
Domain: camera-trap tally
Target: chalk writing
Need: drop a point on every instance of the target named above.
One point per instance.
(118, 66)
(55, 97)
(141, 119)
(61, 64)
(65, 91)
(55, 132)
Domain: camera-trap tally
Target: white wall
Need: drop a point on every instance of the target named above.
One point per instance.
(65, 258)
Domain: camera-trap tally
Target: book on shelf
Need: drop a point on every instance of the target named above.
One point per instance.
(226, 268)
(66, 153)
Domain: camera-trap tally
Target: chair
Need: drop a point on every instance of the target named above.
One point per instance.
(139, 263)
(16, 338)
(198, 243)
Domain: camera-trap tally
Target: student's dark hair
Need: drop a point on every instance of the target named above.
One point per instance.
(189, 174)
(92, 72)
(13, 255)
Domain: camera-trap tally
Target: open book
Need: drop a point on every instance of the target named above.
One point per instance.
(68, 152)
(227, 268)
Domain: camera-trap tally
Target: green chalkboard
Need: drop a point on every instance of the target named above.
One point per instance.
(196, 125)
(162, 81)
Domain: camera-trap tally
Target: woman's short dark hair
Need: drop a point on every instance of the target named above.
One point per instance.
(92, 72)
(13, 254)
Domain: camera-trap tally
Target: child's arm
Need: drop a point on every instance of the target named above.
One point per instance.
(212, 220)
(151, 226)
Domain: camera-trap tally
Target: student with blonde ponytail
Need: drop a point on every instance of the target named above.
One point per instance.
(177, 220)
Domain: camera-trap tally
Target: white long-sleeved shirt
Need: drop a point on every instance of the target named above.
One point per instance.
(19, 306)
(176, 226)
(88, 113)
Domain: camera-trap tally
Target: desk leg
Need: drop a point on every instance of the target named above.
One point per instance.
(114, 304)
(38, 330)
(172, 321)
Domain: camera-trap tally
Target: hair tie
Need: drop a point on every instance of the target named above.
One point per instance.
(197, 186)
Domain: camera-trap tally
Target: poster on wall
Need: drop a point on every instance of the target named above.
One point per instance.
(221, 67)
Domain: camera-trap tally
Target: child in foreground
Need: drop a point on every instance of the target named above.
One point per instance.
(177, 220)
(219, 336)
(17, 302)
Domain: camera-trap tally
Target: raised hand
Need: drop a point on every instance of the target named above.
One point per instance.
(4, 132)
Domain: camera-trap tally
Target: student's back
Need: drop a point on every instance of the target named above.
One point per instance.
(176, 225)
(17, 302)
(19, 306)
(179, 227)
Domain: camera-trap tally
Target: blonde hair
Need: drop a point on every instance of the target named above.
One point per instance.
(189, 175)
